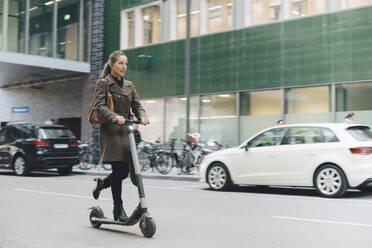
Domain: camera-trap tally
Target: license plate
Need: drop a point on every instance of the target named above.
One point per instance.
(60, 146)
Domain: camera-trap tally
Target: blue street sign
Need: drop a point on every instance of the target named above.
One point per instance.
(18, 110)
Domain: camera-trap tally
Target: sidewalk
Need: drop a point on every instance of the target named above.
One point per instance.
(172, 175)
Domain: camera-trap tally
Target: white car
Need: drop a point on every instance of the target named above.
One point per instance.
(331, 157)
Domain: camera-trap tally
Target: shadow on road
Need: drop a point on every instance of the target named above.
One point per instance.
(295, 191)
(51, 173)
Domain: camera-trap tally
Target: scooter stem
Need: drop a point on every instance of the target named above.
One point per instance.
(138, 176)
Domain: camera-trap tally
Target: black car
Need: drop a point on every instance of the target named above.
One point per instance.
(28, 147)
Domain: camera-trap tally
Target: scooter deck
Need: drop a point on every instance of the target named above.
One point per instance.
(105, 220)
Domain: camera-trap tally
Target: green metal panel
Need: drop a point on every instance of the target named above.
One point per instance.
(334, 47)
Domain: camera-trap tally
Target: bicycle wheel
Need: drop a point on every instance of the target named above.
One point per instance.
(164, 163)
(86, 161)
(144, 161)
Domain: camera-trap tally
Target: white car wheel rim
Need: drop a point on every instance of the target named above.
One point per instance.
(217, 177)
(19, 165)
(329, 181)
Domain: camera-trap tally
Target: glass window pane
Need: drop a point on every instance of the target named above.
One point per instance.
(309, 104)
(266, 11)
(175, 119)
(155, 111)
(41, 27)
(355, 97)
(307, 7)
(68, 29)
(360, 133)
(357, 3)
(218, 119)
(15, 36)
(151, 25)
(307, 100)
(219, 15)
(181, 18)
(131, 31)
(266, 102)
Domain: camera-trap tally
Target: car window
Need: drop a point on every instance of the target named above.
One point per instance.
(328, 135)
(27, 131)
(361, 133)
(2, 135)
(55, 133)
(271, 137)
(303, 135)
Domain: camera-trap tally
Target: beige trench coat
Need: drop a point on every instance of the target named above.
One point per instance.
(114, 139)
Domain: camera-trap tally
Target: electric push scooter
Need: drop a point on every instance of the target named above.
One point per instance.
(140, 214)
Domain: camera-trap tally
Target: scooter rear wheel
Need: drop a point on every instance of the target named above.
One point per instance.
(148, 226)
(96, 212)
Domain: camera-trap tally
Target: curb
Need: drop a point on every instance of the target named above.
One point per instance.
(146, 176)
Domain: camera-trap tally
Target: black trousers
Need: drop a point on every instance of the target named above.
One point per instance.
(120, 171)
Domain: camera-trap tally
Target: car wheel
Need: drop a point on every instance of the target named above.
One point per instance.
(330, 181)
(20, 166)
(218, 177)
(65, 171)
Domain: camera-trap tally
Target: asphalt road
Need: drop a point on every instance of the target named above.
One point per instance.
(49, 211)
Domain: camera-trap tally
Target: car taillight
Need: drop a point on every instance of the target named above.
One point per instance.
(361, 150)
(38, 142)
(74, 144)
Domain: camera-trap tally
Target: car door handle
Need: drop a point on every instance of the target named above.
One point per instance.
(311, 154)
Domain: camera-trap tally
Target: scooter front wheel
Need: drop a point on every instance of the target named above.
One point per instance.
(96, 212)
(148, 226)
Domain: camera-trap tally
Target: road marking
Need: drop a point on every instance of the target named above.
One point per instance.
(320, 221)
(59, 194)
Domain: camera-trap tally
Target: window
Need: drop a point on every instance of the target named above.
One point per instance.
(41, 27)
(55, 133)
(181, 18)
(272, 137)
(218, 105)
(306, 7)
(2, 135)
(303, 135)
(307, 100)
(155, 110)
(361, 133)
(131, 28)
(14, 25)
(355, 96)
(328, 135)
(266, 102)
(219, 15)
(68, 29)
(151, 25)
(265, 11)
(357, 3)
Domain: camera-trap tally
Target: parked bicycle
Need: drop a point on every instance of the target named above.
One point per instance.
(191, 156)
(87, 160)
(151, 157)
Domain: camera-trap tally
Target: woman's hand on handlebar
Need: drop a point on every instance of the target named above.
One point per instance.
(144, 121)
(120, 120)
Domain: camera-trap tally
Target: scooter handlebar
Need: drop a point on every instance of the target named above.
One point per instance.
(129, 122)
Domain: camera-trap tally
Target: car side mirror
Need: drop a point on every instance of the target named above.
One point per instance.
(246, 147)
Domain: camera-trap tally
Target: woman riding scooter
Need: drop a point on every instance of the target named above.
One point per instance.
(114, 142)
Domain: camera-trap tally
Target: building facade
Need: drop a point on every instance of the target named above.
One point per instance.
(252, 62)
(45, 61)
